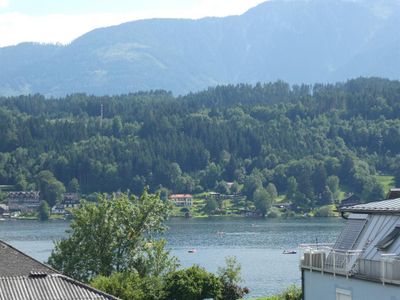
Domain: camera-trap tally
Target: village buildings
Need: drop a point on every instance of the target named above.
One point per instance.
(184, 200)
(23, 201)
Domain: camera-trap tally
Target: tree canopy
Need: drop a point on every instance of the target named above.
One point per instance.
(114, 235)
(294, 137)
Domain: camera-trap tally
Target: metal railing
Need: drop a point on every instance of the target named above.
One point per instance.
(386, 269)
(323, 258)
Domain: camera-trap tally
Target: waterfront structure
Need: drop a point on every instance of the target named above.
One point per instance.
(70, 200)
(363, 263)
(185, 200)
(22, 277)
(23, 201)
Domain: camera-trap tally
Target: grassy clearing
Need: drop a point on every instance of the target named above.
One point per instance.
(387, 181)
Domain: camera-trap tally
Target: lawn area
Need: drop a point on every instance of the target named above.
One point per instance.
(387, 181)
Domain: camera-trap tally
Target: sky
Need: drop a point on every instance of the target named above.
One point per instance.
(61, 21)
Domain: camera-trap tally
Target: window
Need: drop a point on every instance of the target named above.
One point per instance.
(350, 233)
(389, 239)
(343, 294)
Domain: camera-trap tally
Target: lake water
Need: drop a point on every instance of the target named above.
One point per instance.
(257, 244)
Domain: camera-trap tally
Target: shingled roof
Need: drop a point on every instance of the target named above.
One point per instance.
(23, 277)
(16, 263)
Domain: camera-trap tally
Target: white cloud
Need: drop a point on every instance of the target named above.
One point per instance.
(224, 7)
(4, 3)
(16, 28)
(61, 28)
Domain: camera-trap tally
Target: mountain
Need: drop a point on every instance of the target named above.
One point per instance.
(299, 41)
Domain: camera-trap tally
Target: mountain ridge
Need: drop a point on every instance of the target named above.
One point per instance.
(296, 41)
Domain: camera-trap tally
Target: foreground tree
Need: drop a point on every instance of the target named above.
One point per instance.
(193, 283)
(114, 235)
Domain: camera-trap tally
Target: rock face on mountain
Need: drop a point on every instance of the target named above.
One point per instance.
(299, 41)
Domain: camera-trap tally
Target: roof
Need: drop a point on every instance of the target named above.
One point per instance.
(48, 287)
(382, 207)
(18, 194)
(23, 277)
(16, 263)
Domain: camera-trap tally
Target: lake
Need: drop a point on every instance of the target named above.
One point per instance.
(256, 243)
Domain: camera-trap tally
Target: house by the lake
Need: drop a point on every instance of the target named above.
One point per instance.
(363, 263)
(70, 200)
(185, 200)
(23, 201)
(22, 278)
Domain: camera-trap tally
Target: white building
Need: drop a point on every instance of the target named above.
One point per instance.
(185, 200)
(24, 201)
(363, 264)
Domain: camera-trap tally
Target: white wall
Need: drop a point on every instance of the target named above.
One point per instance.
(318, 286)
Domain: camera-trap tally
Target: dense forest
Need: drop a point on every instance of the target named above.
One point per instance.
(307, 142)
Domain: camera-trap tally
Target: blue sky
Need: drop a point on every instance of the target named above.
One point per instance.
(60, 21)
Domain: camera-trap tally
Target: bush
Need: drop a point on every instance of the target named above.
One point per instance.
(193, 283)
(274, 213)
(291, 293)
(130, 286)
(325, 211)
(230, 278)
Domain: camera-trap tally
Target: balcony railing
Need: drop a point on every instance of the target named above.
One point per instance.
(387, 269)
(323, 258)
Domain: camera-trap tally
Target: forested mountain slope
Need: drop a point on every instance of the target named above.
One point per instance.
(306, 140)
(294, 40)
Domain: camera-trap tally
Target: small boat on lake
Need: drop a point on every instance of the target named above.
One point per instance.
(289, 252)
(192, 250)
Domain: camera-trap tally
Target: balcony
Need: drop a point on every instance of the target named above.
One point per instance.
(386, 270)
(323, 258)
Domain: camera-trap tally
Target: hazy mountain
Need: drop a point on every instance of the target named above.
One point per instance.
(297, 41)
